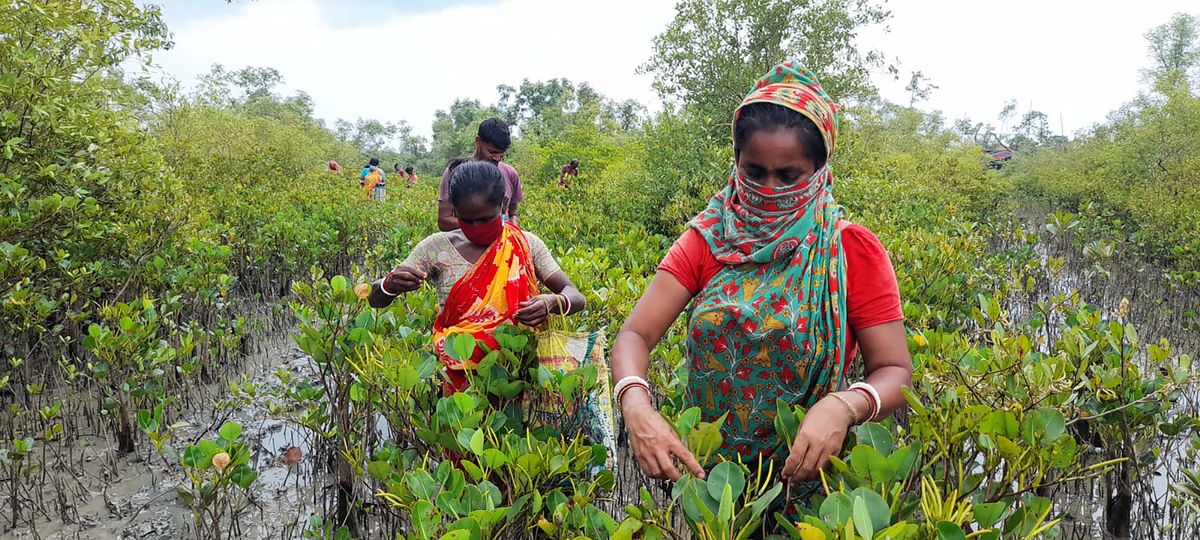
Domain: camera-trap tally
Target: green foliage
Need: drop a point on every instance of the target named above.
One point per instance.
(713, 50)
(369, 361)
(1133, 178)
(1188, 495)
(250, 91)
(544, 110)
(219, 479)
(679, 171)
(135, 366)
(213, 149)
(393, 143)
(77, 183)
(721, 506)
(257, 187)
(970, 459)
(1175, 49)
(454, 130)
(135, 224)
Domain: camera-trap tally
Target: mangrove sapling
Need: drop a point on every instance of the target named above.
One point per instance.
(219, 479)
(336, 331)
(134, 363)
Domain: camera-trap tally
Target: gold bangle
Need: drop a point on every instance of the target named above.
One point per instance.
(853, 412)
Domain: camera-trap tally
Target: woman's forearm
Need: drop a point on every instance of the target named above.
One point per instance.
(575, 301)
(888, 364)
(888, 381)
(567, 298)
(379, 299)
(630, 355)
(658, 307)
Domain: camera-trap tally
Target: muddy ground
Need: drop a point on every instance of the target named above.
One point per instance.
(134, 496)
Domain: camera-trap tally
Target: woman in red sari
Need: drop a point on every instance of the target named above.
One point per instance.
(486, 273)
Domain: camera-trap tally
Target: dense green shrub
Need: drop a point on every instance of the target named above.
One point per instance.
(79, 203)
(1135, 175)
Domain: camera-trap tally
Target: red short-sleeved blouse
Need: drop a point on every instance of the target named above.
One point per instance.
(872, 295)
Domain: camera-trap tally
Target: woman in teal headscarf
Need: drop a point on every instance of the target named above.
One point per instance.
(784, 292)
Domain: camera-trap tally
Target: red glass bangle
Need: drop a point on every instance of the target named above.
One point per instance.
(874, 411)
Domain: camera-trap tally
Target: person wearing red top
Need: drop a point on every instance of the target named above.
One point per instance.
(412, 176)
(783, 295)
(872, 295)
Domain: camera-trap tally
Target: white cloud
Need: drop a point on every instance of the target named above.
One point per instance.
(1074, 58)
(406, 67)
(1077, 59)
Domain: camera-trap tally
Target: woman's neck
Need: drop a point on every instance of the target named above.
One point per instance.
(469, 251)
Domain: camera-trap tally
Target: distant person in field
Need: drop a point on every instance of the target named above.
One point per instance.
(397, 170)
(486, 271)
(412, 176)
(491, 143)
(571, 169)
(373, 180)
(333, 167)
(783, 293)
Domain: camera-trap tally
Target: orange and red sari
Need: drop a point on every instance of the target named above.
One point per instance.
(486, 297)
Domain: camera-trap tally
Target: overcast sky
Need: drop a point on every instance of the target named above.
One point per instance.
(404, 59)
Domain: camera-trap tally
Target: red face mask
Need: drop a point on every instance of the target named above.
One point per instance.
(482, 234)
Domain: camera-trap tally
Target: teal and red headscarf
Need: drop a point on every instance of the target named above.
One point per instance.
(747, 222)
(771, 324)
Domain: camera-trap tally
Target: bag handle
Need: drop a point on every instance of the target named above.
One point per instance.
(559, 299)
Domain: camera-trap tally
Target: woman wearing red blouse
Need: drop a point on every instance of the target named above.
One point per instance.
(784, 295)
(872, 296)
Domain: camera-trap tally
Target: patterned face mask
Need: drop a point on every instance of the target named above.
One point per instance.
(781, 200)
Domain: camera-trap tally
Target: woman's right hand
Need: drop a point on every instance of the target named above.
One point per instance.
(404, 279)
(654, 441)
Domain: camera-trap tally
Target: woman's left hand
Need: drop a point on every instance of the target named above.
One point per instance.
(820, 435)
(533, 312)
